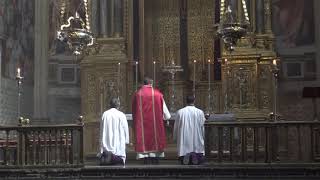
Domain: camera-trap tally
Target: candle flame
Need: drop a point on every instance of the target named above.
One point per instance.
(154, 62)
(274, 62)
(18, 72)
(118, 63)
(209, 60)
(194, 61)
(136, 62)
(226, 60)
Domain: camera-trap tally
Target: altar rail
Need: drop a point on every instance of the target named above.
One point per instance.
(41, 146)
(262, 142)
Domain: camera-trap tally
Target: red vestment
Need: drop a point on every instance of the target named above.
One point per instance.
(147, 113)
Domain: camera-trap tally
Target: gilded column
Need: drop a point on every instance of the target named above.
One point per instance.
(267, 16)
(41, 61)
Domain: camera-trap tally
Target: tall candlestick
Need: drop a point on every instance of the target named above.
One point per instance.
(164, 53)
(209, 86)
(154, 74)
(194, 78)
(202, 53)
(19, 81)
(119, 71)
(136, 75)
(209, 76)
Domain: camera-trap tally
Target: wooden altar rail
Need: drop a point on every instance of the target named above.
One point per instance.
(41, 146)
(262, 142)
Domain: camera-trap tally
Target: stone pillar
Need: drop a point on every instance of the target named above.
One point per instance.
(40, 113)
(259, 16)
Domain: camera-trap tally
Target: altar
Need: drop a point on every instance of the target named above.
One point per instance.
(179, 48)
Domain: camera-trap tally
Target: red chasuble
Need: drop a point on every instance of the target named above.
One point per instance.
(147, 112)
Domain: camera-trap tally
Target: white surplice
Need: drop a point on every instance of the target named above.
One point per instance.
(189, 130)
(114, 133)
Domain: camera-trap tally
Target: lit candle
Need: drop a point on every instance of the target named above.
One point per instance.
(18, 73)
(194, 77)
(119, 65)
(209, 84)
(154, 74)
(274, 62)
(209, 61)
(136, 75)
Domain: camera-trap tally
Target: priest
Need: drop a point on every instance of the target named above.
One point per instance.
(189, 133)
(149, 111)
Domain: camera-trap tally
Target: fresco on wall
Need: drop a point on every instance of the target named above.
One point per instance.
(18, 26)
(293, 23)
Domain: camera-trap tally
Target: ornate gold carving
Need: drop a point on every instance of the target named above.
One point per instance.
(200, 40)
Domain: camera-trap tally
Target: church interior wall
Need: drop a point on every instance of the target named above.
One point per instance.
(17, 50)
(297, 44)
(291, 104)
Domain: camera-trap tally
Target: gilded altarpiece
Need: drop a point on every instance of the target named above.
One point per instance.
(102, 77)
(247, 86)
(163, 45)
(200, 16)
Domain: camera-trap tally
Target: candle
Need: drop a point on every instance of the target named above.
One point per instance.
(119, 65)
(209, 84)
(18, 73)
(136, 75)
(194, 78)
(274, 62)
(164, 52)
(154, 73)
(209, 61)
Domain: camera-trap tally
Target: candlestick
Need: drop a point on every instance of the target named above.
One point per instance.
(164, 52)
(194, 78)
(119, 71)
(209, 76)
(154, 74)
(19, 81)
(209, 87)
(136, 75)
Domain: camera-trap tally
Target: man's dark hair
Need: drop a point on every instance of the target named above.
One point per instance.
(147, 81)
(114, 103)
(190, 99)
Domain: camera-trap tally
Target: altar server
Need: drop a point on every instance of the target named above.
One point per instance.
(114, 135)
(189, 133)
